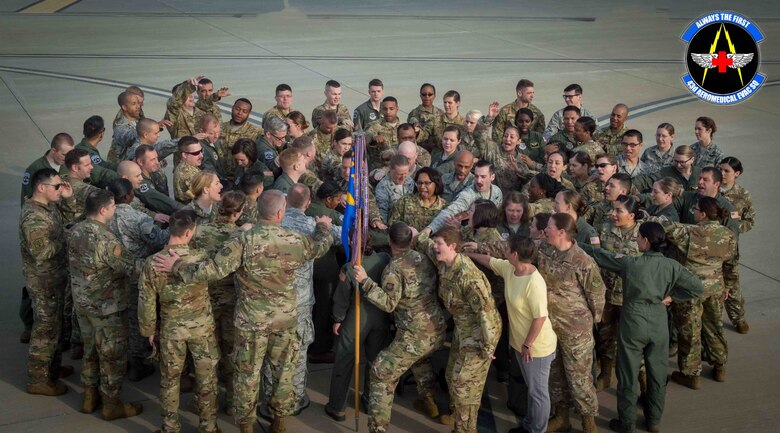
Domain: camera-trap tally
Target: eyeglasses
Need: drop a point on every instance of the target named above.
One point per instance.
(696, 208)
(427, 94)
(195, 153)
(632, 144)
(56, 186)
(678, 162)
(603, 164)
(423, 183)
(277, 137)
(571, 96)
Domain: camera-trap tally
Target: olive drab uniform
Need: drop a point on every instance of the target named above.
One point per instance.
(433, 131)
(506, 117)
(365, 115)
(98, 265)
(103, 171)
(44, 264)
(187, 325)
(342, 115)
(743, 202)
(465, 292)
(575, 300)
(408, 290)
(389, 133)
(264, 260)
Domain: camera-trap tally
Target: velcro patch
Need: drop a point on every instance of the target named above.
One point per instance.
(143, 189)
(96, 159)
(26, 178)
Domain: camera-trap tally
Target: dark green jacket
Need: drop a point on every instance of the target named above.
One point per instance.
(103, 171)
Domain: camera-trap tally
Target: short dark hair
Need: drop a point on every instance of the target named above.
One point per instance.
(282, 87)
(181, 221)
(485, 214)
(41, 175)
(565, 222)
(573, 108)
(524, 246)
(541, 220)
(453, 128)
(573, 87)
(624, 180)
(376, 82)
(245, 101)
(341, 134)
(428, 85)
(232, 202)
(404, 127)
(329, 188)
(120, 188)
(205, 80)
(631, 205)
(717, 175)
(434, 176)
(547, 183)
(390, 99)
(450, 235)
(329, 116)
(60, 139)
(400, 235)
(247, 147)
(250, 182)
(143, 149)
(523, 83)
(452, 94)
(588, 123)
(485, 163)
(73, 156)
(332, 83)
(93, 126)
(631, 133)
(733, 162)
(525, 111)
(96, 200)
(186, 141)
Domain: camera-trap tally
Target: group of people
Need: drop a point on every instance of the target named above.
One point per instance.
(547, 250)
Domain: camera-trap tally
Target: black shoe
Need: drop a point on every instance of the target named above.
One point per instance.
(25, 337)
(502, 376)
(614, 425)
(518, 429)
(335, 415)
(322, 358)
(139, 370)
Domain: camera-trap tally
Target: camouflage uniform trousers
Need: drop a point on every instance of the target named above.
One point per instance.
(570, 373)
(71, 329)
(699, 334)
(607, 331)
(735, 304)
(466, 374)
(105, 351)
(225, 332)
(251, 349)
(405, 352)
(138, 345)
(44, 356)
(205, 355)
(306, 334)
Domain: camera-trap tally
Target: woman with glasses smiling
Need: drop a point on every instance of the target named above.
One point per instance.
(682, 170)
(660, 155)
(426, 111)
(420, 207)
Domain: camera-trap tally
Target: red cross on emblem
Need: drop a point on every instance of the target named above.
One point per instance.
(722, 61)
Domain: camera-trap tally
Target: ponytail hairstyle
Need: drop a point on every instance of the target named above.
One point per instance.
(655, 235)
(232, 202)
(711, 208)
(631, 205)
(201, 182)
(669, 186)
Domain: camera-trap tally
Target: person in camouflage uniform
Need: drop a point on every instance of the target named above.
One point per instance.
(511, 171)
(620, 235)
(465, 292)
(79, 167)
(322, 135)
(731, 169)
(706, 153)
(609, 136)
(584, 127)
(330, 164)
(238, 127)
(431, 134)
(98, 264)
(661, 155)
(408, 291)
(383, 134)
(44, 265)
(184, 113)
(593, 191)
(130, 111)
(264, 260)
(252, 185)
(395, 185)
(426, 112)
(600, 212)
(707, 247)
(147, 131)
(283, 97)
(191, 154)
(508, 113)
(187, 326)
(139, 234)
(333, 102)
(420, 207)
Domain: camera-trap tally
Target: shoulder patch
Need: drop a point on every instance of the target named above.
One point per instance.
(594, 240)
(372, 116)
(268, 155)
(504, 236)
(534, 145)
(569, 146)
(735, 215)
(96, 159)
(26, 178)
(117, 251)
(143, 189)
(522, 146)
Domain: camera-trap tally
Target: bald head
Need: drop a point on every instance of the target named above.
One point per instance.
(409, 150)
(298, 197)
(618, 117)
(271, 205)
(131, 171)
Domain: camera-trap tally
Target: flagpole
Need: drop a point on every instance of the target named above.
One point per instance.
(359, 234)
(358, 262)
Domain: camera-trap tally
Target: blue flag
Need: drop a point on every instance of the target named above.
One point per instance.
(348, 222)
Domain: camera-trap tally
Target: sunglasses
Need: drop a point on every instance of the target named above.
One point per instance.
(195, 153)
(603, 164)
(56, 186)
(427, 94)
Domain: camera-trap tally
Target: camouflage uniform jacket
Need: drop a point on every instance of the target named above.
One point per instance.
(593, 192)
(543, 205)
(275, 111)
(590, 147)
(163, 148)
(506, 177)
(465, 292)
(98, 265)
(42, 239)
(705, 248)
(185, 123)
(619, 241)
(433, 131)
(137, 231)
(228, 136)
(264, 259)
(257, 168)
(657, 159)
(185, 309)
(611, 141)
(123, 136)
(639, 168)
(485, 235)
(204, 215)
(743, 202)
(410, 210)
(453, 186)
(556, 122)
(689, 200)
(462, 203)
(408, 290)
(72, 208)
(388, 193)
(706, 157)
(506, 117)
(424, 115)
(210, 237)
(330, 165)
(598, 213)
(342, 115)
(183, 175)
(389, 132)
(38, 164)
(575, 290)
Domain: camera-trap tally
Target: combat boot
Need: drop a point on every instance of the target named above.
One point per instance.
(719, 373)
(245, 428)
(50, 388)
(560, 422)
(447, 419)
(91, 399)
(427, 405)
(743, 327)
(589, 424)
(76, 351)
(691, 382)
(139, 369)
(115, 408)
(604, 380)
(278, 425)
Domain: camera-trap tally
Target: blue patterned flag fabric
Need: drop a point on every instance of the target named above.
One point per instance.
(355, 226)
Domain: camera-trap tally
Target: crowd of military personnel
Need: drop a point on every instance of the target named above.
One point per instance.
(234, 282)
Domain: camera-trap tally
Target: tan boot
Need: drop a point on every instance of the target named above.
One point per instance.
(604, 380)
(91, 399)
(115, 408)
(560, 422)
(743, 327)
(245, 428)
(719, 373)
(427, 405)
(50, 388)
(589, 424)
(447, 419)
(278, 425)
(691, 382)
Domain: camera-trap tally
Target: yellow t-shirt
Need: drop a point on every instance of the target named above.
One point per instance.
(526, 300)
